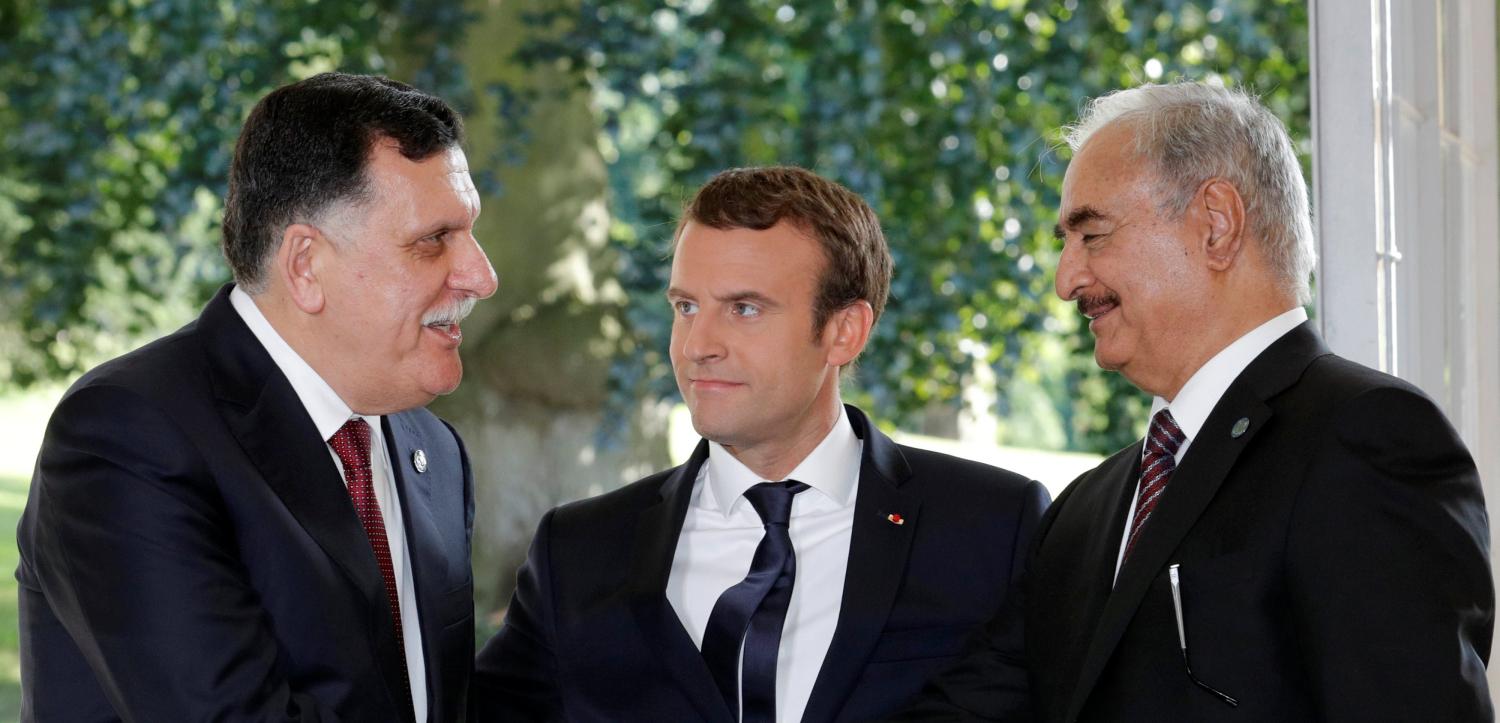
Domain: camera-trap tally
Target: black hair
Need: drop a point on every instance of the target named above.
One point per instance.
(306, 146)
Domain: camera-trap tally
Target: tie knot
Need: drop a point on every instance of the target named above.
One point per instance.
(773, 500)
(1164, 437)
(352, 443)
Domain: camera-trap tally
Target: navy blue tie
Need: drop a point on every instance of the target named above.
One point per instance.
(753, 610)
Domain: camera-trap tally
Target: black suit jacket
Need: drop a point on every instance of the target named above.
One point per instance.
(1333, 561)
(590, 635)
(189, 550)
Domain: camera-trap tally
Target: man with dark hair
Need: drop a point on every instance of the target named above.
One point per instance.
(1298, 537)
(800, 565)
(254, 518)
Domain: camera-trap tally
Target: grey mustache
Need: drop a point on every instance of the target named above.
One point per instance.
(451, 314)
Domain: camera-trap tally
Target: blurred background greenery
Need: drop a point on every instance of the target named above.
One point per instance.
(589, 124)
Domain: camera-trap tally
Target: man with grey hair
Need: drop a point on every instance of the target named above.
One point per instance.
(1298, 538)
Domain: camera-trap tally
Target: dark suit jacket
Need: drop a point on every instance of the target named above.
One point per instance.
(1334, 566)
(590, 635)
(189, 550)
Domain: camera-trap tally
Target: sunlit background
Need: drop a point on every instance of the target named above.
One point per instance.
(589, 125)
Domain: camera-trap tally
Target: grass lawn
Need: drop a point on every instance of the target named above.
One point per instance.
(12, 499)
(22, 418)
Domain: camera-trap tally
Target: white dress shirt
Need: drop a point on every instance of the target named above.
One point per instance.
(1198, 397)
(722, 530)
(329, 413)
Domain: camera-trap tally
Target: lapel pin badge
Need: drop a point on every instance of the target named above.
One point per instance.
(896, 519)
(1240, 425)
(419, 460)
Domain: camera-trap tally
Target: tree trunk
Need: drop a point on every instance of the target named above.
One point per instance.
(537, 354)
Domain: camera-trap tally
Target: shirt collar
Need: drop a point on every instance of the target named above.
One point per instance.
(1201, 394)
(327, 409)
(831, 469)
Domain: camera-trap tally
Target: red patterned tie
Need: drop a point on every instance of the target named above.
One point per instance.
(352, 444)
(1162, 442)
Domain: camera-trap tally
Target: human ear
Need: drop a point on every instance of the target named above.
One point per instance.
(301, 244)
(1223, 211)
(848, 331)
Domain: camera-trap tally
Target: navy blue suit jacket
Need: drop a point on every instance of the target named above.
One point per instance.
(590, 635)
(189, 550)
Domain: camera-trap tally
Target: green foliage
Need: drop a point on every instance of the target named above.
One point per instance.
(117, 120)
(12, 502)
(945, 117)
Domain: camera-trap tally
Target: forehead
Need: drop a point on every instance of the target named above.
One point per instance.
(433, 189)
(448, 167)
(1105, 171)
(742, 256)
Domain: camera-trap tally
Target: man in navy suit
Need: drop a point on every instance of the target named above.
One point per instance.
(254, 518)
(801, 565)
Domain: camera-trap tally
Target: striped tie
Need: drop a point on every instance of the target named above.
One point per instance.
(1162, 442)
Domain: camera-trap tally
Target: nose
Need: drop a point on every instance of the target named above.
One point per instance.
(701, 337)
(472, 272)
(1073, 274)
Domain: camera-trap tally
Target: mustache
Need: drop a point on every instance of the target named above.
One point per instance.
(1088, 305)
(451, 313)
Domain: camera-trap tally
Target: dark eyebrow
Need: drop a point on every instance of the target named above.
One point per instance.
(753, 297)
(1077, 217)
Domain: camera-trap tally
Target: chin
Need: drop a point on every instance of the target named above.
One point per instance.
(427, 391)
(713, 429)
(432, 394)
(1107, 357)
(441, 389)
(443, 376)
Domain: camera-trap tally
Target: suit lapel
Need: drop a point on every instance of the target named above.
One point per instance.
(278, 436)
(1083, 565)
(1123, 472)
(655, 545)
(272, 426)
(424, 542)
(878, 552)
(1197, 479)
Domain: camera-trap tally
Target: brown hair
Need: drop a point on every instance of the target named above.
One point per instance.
(859, 263)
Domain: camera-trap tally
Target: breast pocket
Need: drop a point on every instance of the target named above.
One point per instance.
(1219, 591)
(900, 663)
(920, 643)
(1225, 619)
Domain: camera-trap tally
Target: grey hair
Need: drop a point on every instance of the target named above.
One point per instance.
(1190, 132)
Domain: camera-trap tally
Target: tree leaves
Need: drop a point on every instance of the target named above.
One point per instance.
(117, 120)
(945, 117)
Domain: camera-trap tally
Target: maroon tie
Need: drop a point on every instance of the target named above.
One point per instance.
(352, 444)
(1162, 442)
